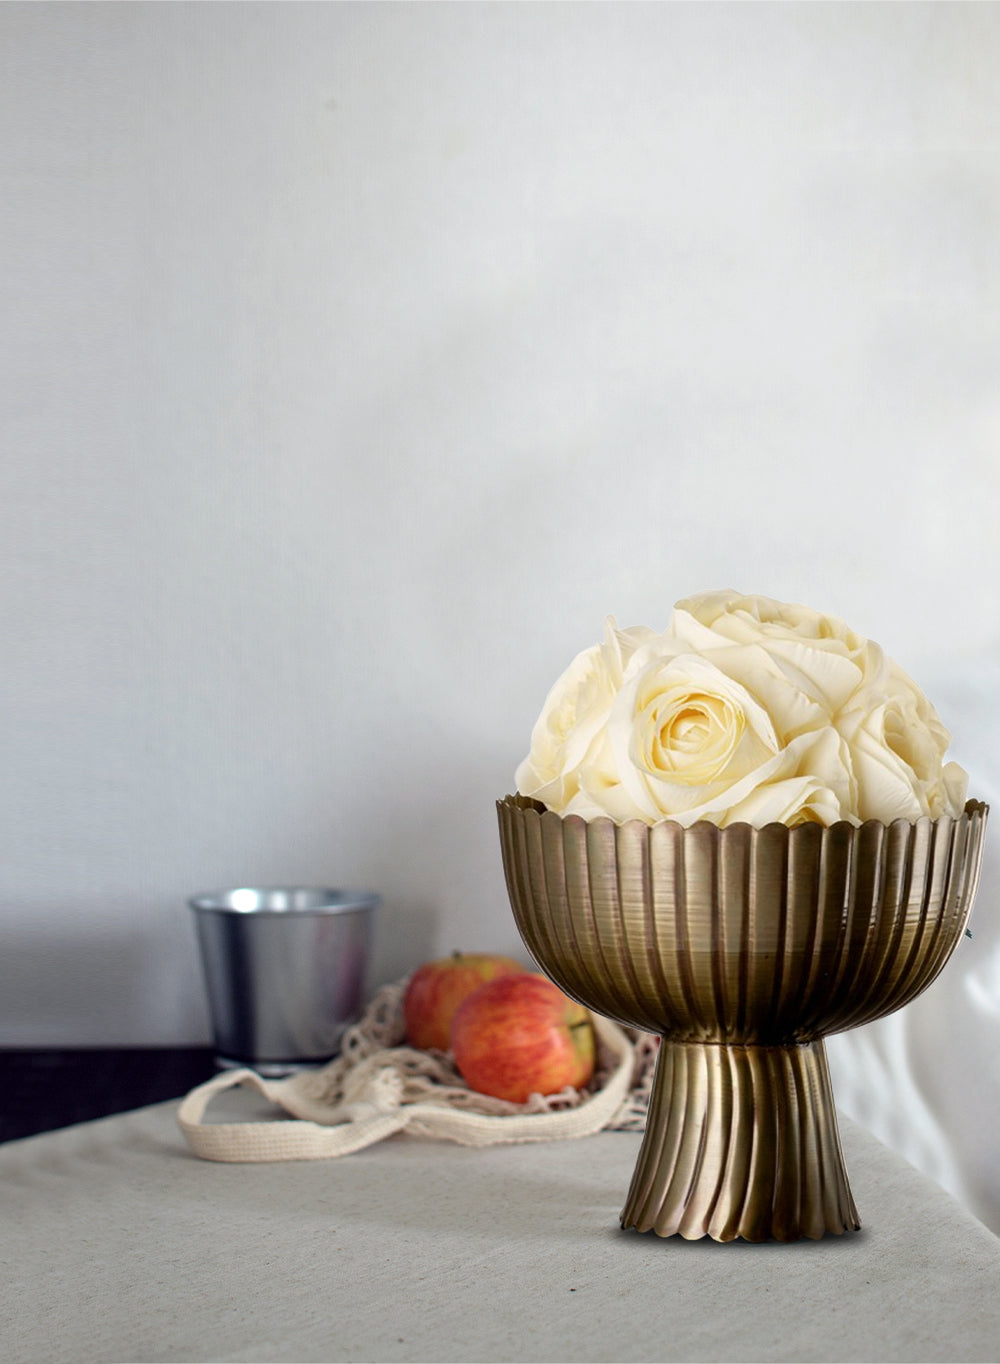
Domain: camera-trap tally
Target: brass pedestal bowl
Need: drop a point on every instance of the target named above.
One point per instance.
(742, 948)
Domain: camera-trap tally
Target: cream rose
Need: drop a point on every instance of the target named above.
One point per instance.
(898, 744)
(830, 660)
(575, 711)
(744, 709)
(688, 739)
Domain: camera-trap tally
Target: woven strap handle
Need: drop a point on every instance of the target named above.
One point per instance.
(296, 1139)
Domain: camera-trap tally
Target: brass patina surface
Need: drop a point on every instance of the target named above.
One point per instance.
(742, 948)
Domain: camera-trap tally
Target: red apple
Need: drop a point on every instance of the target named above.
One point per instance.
(437, 988)
(520, 1035)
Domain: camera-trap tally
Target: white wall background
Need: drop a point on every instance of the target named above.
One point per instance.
(361, 358)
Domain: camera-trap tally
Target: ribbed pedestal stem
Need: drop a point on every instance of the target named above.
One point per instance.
(741, 1141)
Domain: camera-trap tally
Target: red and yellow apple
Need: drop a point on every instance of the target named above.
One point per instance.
(437, 988)
(519, 1035)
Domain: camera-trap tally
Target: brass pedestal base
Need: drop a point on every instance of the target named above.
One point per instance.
(741, 1141)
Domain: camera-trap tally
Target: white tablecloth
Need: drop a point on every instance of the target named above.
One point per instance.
(118, 1245)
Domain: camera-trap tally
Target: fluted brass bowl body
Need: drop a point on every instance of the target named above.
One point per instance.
(742, 948)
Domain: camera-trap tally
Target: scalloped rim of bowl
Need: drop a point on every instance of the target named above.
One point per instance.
(522, 802)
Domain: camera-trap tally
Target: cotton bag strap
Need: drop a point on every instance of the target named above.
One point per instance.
(394, 1089)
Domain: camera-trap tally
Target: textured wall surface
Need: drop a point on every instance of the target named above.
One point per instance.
(361, 358)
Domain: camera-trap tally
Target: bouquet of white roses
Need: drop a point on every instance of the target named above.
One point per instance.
(743, 709)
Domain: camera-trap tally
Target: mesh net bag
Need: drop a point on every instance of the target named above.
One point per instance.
(378, 1086)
